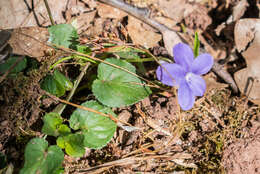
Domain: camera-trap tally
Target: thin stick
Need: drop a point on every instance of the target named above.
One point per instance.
(60, 108)
(142, 14)
(49, 12)
(221, 72)
(87, 109)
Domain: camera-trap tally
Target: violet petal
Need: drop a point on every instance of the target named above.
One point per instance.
(174, 71)
(183, 55)
(202, 64)
(196, 83)
(186, 98)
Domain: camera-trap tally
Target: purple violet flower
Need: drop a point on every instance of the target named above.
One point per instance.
(185, 73)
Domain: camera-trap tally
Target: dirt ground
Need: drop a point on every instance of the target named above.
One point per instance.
(221, 134)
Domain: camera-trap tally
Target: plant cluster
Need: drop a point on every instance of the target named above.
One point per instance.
(93, 123)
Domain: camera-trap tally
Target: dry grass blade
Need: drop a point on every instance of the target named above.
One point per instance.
(125, 161)
(151, 123)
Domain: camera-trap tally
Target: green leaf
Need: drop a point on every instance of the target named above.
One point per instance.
(128, 55)
(53, 125)
(3, 162)
(59, 171)
(73, 144)
(115, 87)
(97, 130)
(108, 45)
(10, 62)
(125, 52)
(63, 80)
(41, 159)
(196, 45)
(83, 49)
(52, 86)
(64, 129)
(52, 121)
(63, 35)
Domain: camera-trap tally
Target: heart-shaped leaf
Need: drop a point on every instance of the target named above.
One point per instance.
(10, 62)
(115, 87)
(63, 80)
(41, 159)
(83, 49)
(98, 130)
(52, 86)
(53, 125)
(63, 35)
(73, 144)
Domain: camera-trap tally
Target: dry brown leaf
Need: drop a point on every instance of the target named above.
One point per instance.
(198, 18)
(176, 9)
(211, 83)
(17, 13)
(83, 21)
(96, 29)
(237, 12)
(170, 38)
(23, 41)
(166, 21)
(140, 35)
(247, 39)
(244, 33)
(106, 11)
(91, 3)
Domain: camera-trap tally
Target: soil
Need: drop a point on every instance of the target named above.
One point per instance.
(221, 134)
(242, 155)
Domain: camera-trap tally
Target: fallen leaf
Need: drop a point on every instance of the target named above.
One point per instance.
(237, 12)
(82, 22)
(17, 13)
(96, 28)
(166, 21)
(247, 40)
(91, 3)
(198, 18)
(170, 38)
(140, 35)
(244, 33)
(212, 83)
(248, 84)
(106, 11)
(176, 9)
(29, 41)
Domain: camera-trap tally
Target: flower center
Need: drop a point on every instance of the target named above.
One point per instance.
(188, 76)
